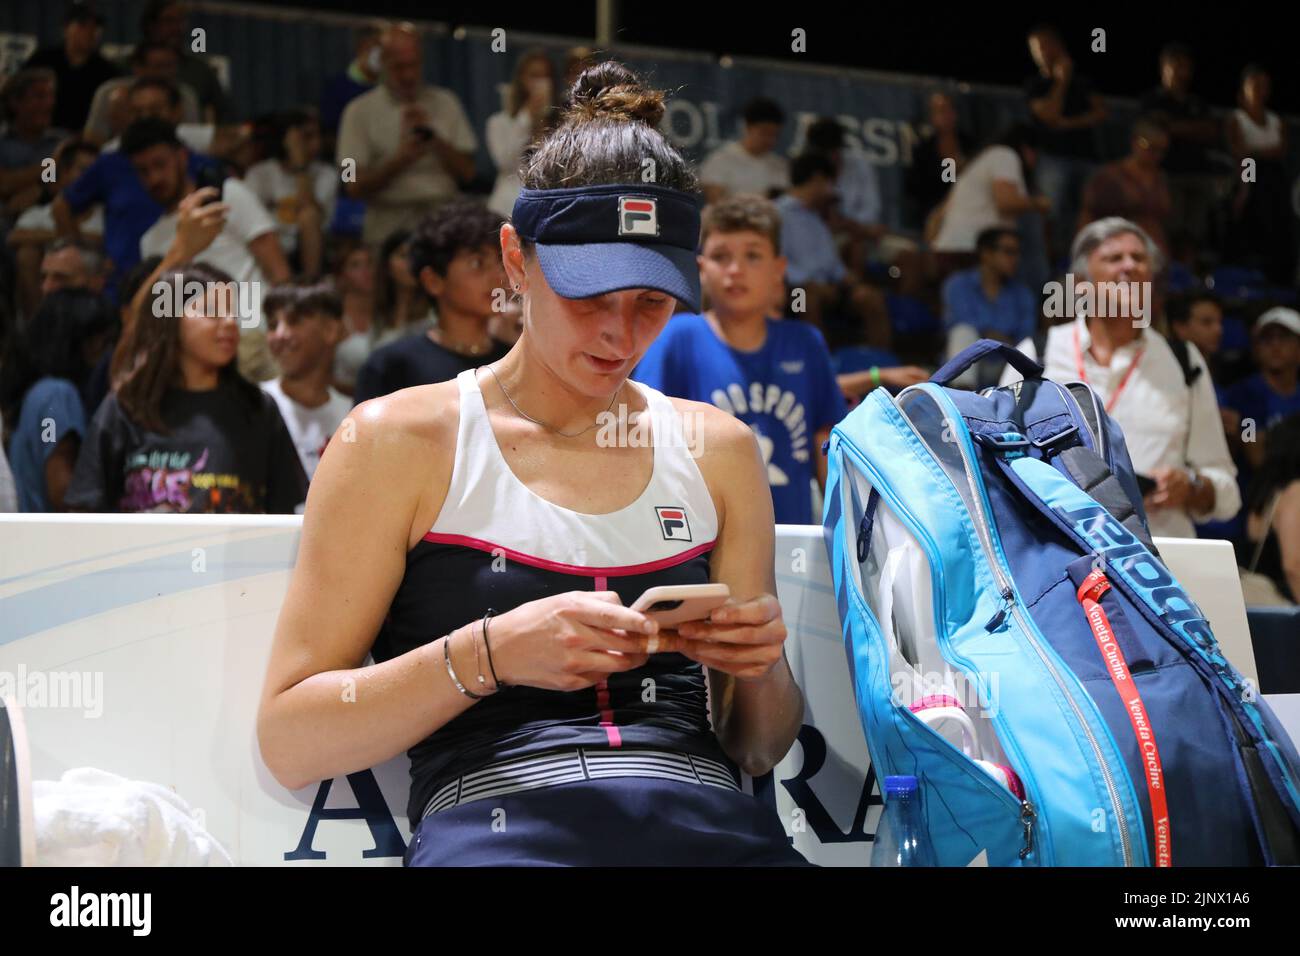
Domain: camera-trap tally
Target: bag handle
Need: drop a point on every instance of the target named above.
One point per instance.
(968, 356)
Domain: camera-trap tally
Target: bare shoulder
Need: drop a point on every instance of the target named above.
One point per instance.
(411, 421)
(717, 438)
(392, 454)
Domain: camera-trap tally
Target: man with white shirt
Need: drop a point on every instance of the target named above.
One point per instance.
(1172, 427)
(247, 248)
(749, 164)
(410, 144)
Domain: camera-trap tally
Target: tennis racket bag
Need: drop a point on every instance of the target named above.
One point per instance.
(1015, 641)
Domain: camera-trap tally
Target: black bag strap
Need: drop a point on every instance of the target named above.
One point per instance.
(1190, 372)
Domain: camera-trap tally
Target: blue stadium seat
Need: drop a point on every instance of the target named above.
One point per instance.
(859, 358)
(910, 316)
(1236, 336)
(349, 216)
(1179, 278)
(1236, 281)
(1275, 634)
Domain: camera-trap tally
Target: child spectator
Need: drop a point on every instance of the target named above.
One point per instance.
(304, 326)
(456, 258)
(773, 374)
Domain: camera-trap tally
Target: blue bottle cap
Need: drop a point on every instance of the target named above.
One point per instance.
(905, 783)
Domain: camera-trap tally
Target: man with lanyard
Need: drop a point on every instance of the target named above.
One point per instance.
(1172, 428)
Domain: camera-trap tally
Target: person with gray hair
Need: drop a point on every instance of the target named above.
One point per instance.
(1167, 410)
(73, 264)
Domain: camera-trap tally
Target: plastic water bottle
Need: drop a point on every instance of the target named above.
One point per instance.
(900, 837)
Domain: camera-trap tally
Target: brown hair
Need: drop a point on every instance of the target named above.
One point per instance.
(518, 94)
(301, 299)
(607, 134)
(742, 213)
(150, 352)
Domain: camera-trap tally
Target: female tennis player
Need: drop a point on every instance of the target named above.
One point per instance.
(484, 538)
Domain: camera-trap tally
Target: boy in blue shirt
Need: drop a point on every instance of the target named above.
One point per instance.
(773, 374)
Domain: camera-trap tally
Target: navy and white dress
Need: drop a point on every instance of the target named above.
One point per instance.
(626, 772)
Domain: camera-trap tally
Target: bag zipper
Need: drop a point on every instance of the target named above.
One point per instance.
(1027, 810)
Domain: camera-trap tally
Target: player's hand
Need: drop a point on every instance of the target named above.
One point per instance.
(745, 640)
(568, 641)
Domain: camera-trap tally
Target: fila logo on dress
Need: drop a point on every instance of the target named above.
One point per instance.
(673, 523)
(637, 216)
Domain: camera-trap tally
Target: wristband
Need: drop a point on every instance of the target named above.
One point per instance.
(875, 376)
(491, 666)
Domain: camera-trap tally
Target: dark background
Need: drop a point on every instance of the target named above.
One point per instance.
(978, 43)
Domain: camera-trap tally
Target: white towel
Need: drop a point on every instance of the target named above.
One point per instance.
(94, 818)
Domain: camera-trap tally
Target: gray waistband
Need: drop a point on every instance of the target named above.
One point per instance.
(572, 766)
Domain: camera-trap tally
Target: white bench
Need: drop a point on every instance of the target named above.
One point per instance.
(162, 624)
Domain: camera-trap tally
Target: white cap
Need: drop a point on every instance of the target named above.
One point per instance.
(1289, 319)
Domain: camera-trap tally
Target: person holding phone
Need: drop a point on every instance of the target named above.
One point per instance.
(246, 246)
(530, 108)
(410, 144)
(484, 538)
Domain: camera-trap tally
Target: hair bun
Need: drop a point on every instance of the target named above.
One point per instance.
(611, 90)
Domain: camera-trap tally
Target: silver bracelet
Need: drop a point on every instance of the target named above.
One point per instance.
(451, 671)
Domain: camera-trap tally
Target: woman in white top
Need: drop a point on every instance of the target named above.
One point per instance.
(1260, 224)
(524, 694)
(991, 191)
(297, 189)
(530, 107)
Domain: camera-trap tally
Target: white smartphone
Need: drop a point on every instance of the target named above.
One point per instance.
(674, 604)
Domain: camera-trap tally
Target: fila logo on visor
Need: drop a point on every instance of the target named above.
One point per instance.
(637, 216)
(673, 523)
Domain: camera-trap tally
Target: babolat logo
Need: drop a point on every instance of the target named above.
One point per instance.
(673, 523)
(637, 216)
(1127, 555)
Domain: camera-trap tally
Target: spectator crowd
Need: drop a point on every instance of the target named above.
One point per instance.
(348, 249)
